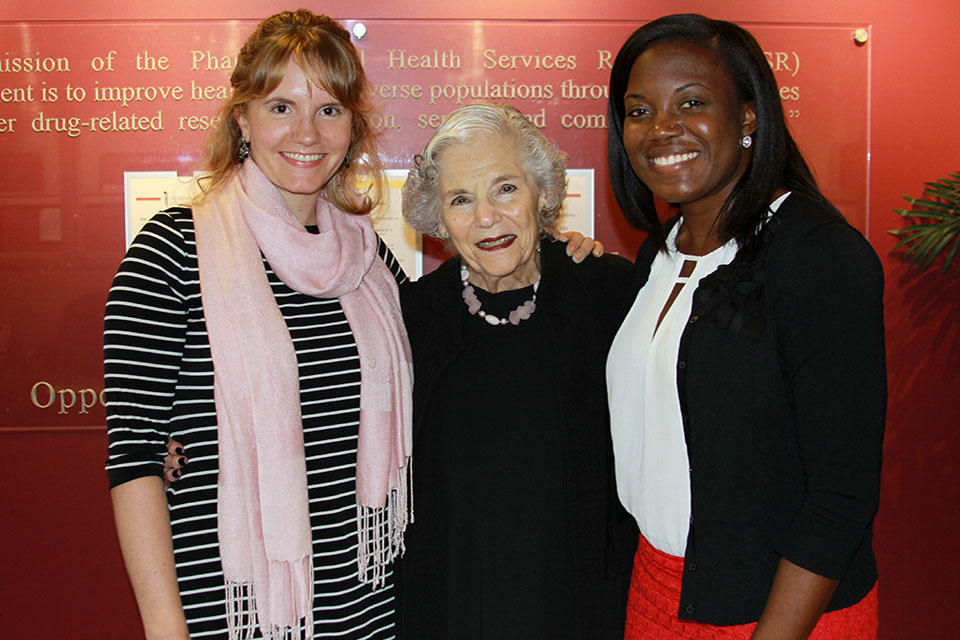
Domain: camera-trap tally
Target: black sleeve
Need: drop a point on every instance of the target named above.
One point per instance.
(413, 304)
(391, 261)
(829, 316)
(607, 280)
(144, 333)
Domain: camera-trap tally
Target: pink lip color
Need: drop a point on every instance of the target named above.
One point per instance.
(497, 247)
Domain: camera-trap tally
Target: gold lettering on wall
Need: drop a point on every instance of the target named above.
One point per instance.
(33, 64)
(130, 99)
(134, 107)
(207, 61)
(604, 60)
(492, 59)
(44, 395)
(402, 59)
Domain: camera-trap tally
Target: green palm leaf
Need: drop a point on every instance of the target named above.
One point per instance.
(934, 229)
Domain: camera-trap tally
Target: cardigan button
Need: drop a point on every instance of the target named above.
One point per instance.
(694, 318)
(689, 609)
(682, 364)
(692, 566)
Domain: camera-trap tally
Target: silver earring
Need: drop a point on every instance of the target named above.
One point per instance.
(746, 141)
(243, 150)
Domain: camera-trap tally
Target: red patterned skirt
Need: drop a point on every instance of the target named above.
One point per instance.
(655, 599)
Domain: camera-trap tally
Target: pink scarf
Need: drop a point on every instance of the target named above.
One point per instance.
(264, 518)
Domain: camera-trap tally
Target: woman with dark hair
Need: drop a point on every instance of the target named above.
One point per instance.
(747, 382)
(261, 330)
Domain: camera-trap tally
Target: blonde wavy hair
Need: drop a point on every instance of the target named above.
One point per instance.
(322, 48)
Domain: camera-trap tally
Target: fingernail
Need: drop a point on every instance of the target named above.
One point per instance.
(176, 473)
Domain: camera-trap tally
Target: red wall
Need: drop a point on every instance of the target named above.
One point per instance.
(62, 573)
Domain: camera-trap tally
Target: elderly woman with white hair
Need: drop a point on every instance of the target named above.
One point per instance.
(517, 513)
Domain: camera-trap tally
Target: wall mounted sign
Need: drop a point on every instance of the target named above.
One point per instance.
(81, 104)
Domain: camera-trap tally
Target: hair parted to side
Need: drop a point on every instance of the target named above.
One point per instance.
(775, 160)
(541, 159)
(322, 48)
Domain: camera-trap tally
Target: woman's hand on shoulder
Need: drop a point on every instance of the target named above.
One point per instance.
(579, 246)
(174, 463)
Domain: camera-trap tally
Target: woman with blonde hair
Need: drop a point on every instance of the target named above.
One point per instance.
(262, 331)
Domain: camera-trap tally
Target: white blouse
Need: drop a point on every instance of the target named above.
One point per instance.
(652, 469)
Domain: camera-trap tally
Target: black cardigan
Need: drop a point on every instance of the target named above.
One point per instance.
(582, 303)
(782, 385)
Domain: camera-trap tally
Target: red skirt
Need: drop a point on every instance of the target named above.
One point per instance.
(655, 599)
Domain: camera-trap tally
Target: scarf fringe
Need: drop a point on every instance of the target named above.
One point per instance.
(380, 530)
(241, 611)
(242, 619)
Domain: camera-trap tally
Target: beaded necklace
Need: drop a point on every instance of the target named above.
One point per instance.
(522, 312)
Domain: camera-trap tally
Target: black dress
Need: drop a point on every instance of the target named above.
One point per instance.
(495, 561)
(515, 506)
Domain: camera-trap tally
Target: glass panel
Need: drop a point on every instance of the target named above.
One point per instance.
(82, 103)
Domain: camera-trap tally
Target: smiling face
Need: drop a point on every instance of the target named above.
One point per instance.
(683, 127)
(299, 135)
(489, 210)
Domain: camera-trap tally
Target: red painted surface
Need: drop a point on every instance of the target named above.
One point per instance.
(62, 573)
(64, 230)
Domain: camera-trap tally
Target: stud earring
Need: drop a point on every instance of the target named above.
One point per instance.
(746, 141)
(243, 150)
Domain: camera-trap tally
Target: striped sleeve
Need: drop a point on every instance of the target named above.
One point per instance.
(391, 261)
(144, 333)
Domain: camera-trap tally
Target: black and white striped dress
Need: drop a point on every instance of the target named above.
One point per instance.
(159, 384)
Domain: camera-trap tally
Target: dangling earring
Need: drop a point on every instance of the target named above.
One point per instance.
(243, 150)
(746, 141)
